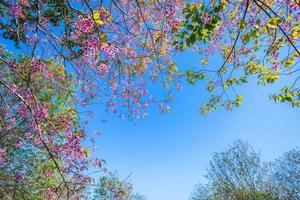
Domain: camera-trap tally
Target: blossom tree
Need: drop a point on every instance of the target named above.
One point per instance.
(75, 52)
(252, 37)
(113, 48)
(40, 131)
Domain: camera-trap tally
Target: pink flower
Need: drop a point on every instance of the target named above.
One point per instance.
(276, 67)
(91, 47)
(3, 151)
(48, 174)
(207, 19)
(114, 85)
(37, 142)
(12, 89)
(103, 68)
(23, 111)
(294, 7)
(92, 43)
(12, 63)
(29, 135)
(41, 113)
(19, 144)
(38, 129)
(145, 105)
(12, 120)
(20, 176)
(43, 21)
(109, 51)
(48, 73)
(175, 23)
(170, 10)
(17, 12)
(37, 65)
(84, 25)
(84, 102)
(2, 154)
(104, 14)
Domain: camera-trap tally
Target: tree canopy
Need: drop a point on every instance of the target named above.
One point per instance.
(253, 38)
(70, 54)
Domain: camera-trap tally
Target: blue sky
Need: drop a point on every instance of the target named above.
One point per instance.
(168, 154)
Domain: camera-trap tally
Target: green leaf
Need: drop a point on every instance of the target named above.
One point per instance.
(190, 27)
(244, 79)
(242, 25)
(193, 38)
(245, 38)
(204, 62)
(238, 100)
(210, 88)
(273, 22)
(289, 62)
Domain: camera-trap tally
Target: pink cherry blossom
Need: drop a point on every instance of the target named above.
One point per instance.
(17, 11)
(19, 176)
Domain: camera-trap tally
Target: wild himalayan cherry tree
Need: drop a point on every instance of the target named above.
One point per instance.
(113, 48)
(41, 153)
(73, 53)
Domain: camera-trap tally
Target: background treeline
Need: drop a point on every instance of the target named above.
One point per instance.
(239, 174)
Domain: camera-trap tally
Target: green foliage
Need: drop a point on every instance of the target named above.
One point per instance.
(211, 105)
(194, 27)
(193, 77)
(268, 76)
(58, 11)
(273, 22)
(254, 68)
(289, 95)
(258, 38)
(238, 100)
(55, 92)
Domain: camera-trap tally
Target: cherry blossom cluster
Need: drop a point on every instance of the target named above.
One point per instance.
(103, 53)
(84, 24)
(30, 121)
(171, 15)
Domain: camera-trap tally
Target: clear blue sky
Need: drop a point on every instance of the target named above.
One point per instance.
(168, 154)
